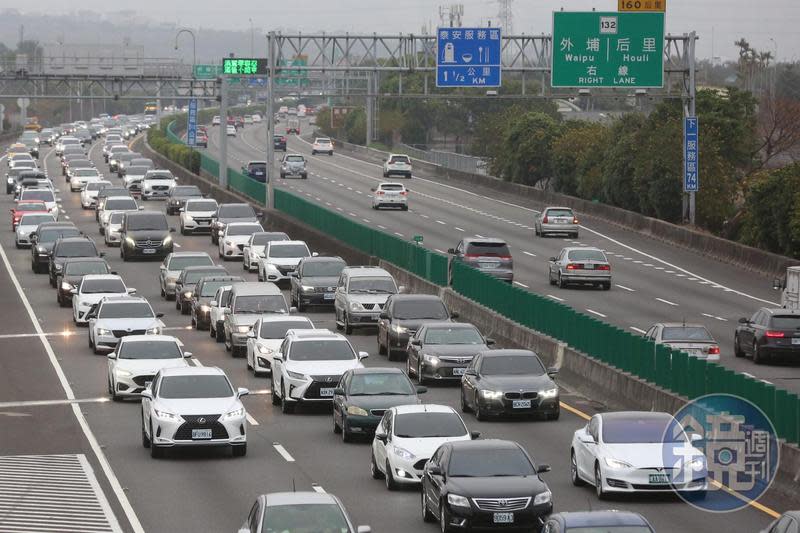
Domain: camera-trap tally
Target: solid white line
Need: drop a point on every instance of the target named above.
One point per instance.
(62, 378)
(398, 234)
(438, 250)
(637, 330)
(43, 403)
(521, 285)
(98, 493)
(623, 287)
(382, 227)
(596, 313)
(556, 298)
(460, 229)
(662, 300)
(251, 420)
(317, 488)
(529, 253)
(281, 450)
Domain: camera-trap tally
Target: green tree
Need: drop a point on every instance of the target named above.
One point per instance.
(527, 144)
(618, 165)
(771, 212)
(577, 159)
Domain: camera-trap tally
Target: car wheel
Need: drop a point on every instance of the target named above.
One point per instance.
(737, 348)
(373, 467)
(299, 305)
(606, 285)
(757, 357)
(287, 407)
(184, 308)
(91, 342)
(276, 400)
(391, 484)
(555, 415)
(348, 329)
(145, 438)
(193, 321)
(444, 520)
(427, 515)
(479, 414)
(155, 451)
(336, 428)
(464, 407)
(347, 435)
(560, 282)
(420, 376)
(239, 450)
(113, 389)
(576, 479)
(598, 483)
(211, 331)
(177, 302)
(183, 231)
(228, 344)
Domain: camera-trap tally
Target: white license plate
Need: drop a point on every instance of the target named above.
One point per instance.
(201, 434)
(328, 296)
(589, 267)
(503, 518)
(489, 264)
(659, 479)
(326, 392)
(149, 251)
(458, 371)
(521, 404)
(796, 340)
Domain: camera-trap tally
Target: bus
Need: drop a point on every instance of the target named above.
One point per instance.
(151, 108)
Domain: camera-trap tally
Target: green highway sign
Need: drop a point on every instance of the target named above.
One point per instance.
(248, 66)
(611, 49)
(207, 72)
(290, 76)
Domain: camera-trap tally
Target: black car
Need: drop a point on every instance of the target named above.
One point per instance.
(20, 176)
(768, 334)
(279, 142)
(72, 273)
(601, 521)
(32, 146)
(256, 170)
(145, 234)
(509, 382)
(442, 351)
(364, 395)
(403, 315)
(178, 196)
(203, 295)
(67, 248)
(485, 484)
(188, 278)
(43, 240)
(314, 281)
(231, 213)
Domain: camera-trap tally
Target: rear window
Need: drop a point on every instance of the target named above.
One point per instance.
(288, 251)
(45, 196)
(277, 330)
(587, 255)
(54, 234)
(80, 268)
(99, 286)
(76, 249)
(114, 204)
(786, 322)
(243, 230)
(181, 262)
(96, 186)
(321, 350)
(559, 213)
(392, 187)
(400, 159)
(137, 171)
(488, 248)
(147, 222)
(236, 211)
(35, 220)
(126, 310)
(295, 158)
(186, 191)
(193, 276)
(686, 333)
(265, 238)
(210, 287)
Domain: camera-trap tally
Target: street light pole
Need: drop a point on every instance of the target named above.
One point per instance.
(194, 45)
(252, 47)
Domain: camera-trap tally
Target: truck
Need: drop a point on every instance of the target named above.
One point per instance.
(790, 298)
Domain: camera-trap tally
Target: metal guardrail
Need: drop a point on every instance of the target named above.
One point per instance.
(461, 162)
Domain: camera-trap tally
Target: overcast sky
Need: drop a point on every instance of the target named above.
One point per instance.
(766, 24)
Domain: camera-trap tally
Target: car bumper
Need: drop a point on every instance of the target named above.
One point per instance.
(155, 194)
(362, 425)
(239, 339)
(131, 386)
(113, 236)
(388, 202)
(23, 239)
(444, 370)
(398, 172)
(559, 228)
(788, 351)
(194, 225)
(316, 298)
(405, 472)
(169, 288)
(399, 341)
(637, 480)
(105, 342)
(505, 406)
(579, 278)
(362, 318)
(472, 518)
(152, 253)
(41, 259)
(231, 251)
(170, 433)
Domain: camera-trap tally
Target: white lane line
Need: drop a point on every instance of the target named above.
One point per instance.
(596, 313)
(46, 403)
(358, 192)
(365, 220)
(637, 330)
(648, 264)
(251, 420)
(317, 488)
(438, 250)
(623, 287)
(441, 222)
(460, 229)
(659, 268)
(715, 317)
(281, 450)
(521, 285)
(556, 298)
(349, 188)
(662, 300)
(66, 217)
(398, 234)
(352, 214)
(176, 245)
(529, 253)
(328, 204)
(480, 236)
(669, 271)
(339, 209)
(424, 216)
(381, 226)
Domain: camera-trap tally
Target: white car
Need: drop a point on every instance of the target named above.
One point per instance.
(89, 193)
(157, 184)
(248, 119)
(407, 437)
(66, 141)
(266, 338)
(81, 176)
(93, 288)
(309, 365)
(193, 406)
(115, 317)
(233, 238)
(390, 195)
(111, 232)
(215, 121)
(254, 248)
(637, 451)
(134, 176)
(398, 165)
(112, 204)
(256, 118)
(137, 359)
(230, 130)
(281, 259)
(219, 305)
(322, 145)
(196, 215)
(45, 195)
(27, 224)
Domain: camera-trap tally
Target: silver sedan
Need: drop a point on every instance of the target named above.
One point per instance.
(579, 266)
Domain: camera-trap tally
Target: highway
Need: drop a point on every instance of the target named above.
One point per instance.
(652, 281)
(47, 359)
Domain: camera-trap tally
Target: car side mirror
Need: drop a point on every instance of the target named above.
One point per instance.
(743, 320)
(451, 250)
(435, 470)
(213, 303)
(187, 355)
(241, 391)
(277, 357)
(552, 371)
(73, 291)
(102, 254)
(384, 315)
(381, 436)
(421, 390)
(112, 355)
(454, 314)
(363, 355)
(552, 259)
(172, 230)
(415, 342)
(314, 254)
(490, 341)
(147, 393)
(292, 310)
(159, 315)
(338, 391)
(131, 290)
(541, 469)
(474, 435)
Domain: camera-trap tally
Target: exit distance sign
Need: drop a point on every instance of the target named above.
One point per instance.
(642, 5)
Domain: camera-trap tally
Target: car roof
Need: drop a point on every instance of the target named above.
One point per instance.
(415, 298)
(573, 248)
(634, 415)
(192, 371)
(142, 338)
(485, 444)
(75, 238)
(381, 184)
(679, 325)
(235, 224)
(321, 258)
(378, 370)
(89, 277)
(85, 260)
(444, 324)
(213, 268)
(300, 498)
(602, 518)
(366, 271)
(423, 408)
(284, 243)
(123, 299)
(781, 311)
(557, 207)
(508, 352)
(189, 254)
(255, 288)
(208, 279)
(311, 334)
(493, 240)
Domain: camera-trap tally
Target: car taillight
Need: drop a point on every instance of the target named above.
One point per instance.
(774, 334)
(713, 350)
(603, 267)
(574, 220)
(471, 256)
(404, 193)
(544, 220)
(505, 257)
(574, 266)
(379, 193)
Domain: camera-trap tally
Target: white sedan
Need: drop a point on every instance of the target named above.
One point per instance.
(266, 337)
(230, 130)
(234, 237)
(137, 358)
(89, 193)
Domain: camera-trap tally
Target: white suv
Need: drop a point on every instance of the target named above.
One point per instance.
(397, 164)
(93, 288)
(389, 194)
(220, 303)
(281, 259)
(322, 145)
(137, 358)
(266, 338)
(157, 184)
(309, 365)
(197, 214)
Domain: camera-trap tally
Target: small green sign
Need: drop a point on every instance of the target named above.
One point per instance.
(207, 72)
(418, 239)
(248, 66)
(612, 49)
(290, 76)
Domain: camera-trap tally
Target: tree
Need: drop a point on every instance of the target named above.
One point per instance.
(778, 127)
(771, 212)
(526, 147)
(577, 159)
(618, 165)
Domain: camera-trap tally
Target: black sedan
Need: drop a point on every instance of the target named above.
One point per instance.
(314, 281)
(484, 484)
(441, 351)
(178, 196)
(509, 382)
(72, 273)
(768, 334)
(364, 395)
(279, 142)
(185, 284)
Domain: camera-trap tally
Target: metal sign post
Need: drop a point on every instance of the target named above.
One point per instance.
(468, 57)
(223, 132)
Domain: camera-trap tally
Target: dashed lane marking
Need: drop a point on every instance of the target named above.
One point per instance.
(624, 288)
(715, 317)
(596, 313)
(281, 450)
(662, 300)
(398, 234)
(459, 229)
(529, 253)
(637, 330)
(521, 285)
(443, 223)
(555, 298)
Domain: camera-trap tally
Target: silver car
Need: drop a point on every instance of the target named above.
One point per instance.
(299, 511)
(693, 339)
(556, 220)
(390, 195)
(580, 265)
(117, 316)
(488, 255)
(27, 224)
(294, 165)
(111, 233)
(361, 295)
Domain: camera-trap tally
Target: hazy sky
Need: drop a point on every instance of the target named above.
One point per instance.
(767, 24)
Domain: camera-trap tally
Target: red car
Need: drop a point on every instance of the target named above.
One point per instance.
(26, 207)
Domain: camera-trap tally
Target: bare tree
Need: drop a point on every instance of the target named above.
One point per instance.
(778, 127)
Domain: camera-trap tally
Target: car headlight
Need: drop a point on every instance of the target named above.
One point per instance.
(66, 286)
(295, 375)
(457, 501)
(153, 331)
(430, 359)
(129, 240)
(167, 240)
(403, 453)
(123, 373)
(543, 497)
(236, 413)
(264, 350)
(242, 329)
(58, 266)
(307, 288)
(104, 332)
(41, 249)
(399, 329)
(165, 415)
(356, 411)
(614, 463)
(549, 393)
(356, 306)
(229, 243)
(491, 394)
(205, 309)
(187, 294)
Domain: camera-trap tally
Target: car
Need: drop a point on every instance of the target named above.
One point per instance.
(580, 266)
(255, 246)
(92, 289)
(33, 147)
(299, 511)
(484, 484)
(627, 452)
(403, 315)
(509, 382)
(309, 365)
(238, 122)
(256, 118)
(68, 247)
(173, 264)
(125, 160)
(26, 183)
(114, 317)
(488, 255)
(113, 156)
(248, 119)
(90, 191)
(556, 220)
(73, 272)
(770, 333)
(76, 163)
(441, 351)
(248, 301)
(266, 336)
(133, 178)
(694, 339)
(13, 175)
(157, 184)
(397, 165)
(201, 139)
(193, 406)
(145, 235)
(136, 360)
(279, 142)
(187, 279)
(112, 232)
(322, 145)
(227, 213)
(17, 158)
(215, 121)
(79, 177)
(314, 281)
(363, 396)
(612, 521)
(233, 238)
(360, 296)
(230, 130)
(44, 239)
(196, 215)
(65, 141)
(788, 522)
(220, 305)
(281, 259)
(124, 204)
(407, 436)
(179, 195)
(390, 195)
(294, 165)
(203, 294)
(27, 207)
(27, 224)
(256, 170)
(109, 192)
(44, 195)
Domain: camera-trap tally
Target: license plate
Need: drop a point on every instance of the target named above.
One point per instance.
(149, 251)
(201, 434)
(458, 371)
(521, 404)
(326, 392)
(660, 479)
(503, 518)
(589, 267)
(489, 264)
(328, 296)
(796, 340)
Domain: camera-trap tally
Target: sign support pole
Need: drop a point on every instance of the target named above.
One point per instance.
(223, 132)
(270, 200)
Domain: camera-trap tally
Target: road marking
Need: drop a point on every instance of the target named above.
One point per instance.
(328, 204)
(521, 285)
(441, 222)
(45, 403)
(460, 229)
(66, 217)
(715, 317)
(424, 216)
(281, 450)
(440, 251)
(382, 227)
(317, 488)
(529, 253)
(398, 234)
(480, 236)
(251, 420)
(358, 192)
(365, 220)
(662, 300)
(339, 209)
(637, 330)
(176, 245)
(556, 298)
(596, 313)
(623, 287)
(352, 214)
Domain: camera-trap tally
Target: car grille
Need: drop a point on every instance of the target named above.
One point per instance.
(372, 306)
(124, 332)
(240, 246)
(377, 412)
(527, 395)
(202, 220)
(420, 465)
(142, 380)
(184, 432)
(285, 269)
(321, 382)
(160, 187)
(148, 244)
(457, 360)
(501, 504)
(324, 289)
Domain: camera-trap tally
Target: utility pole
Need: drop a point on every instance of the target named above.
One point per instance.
(223, 131)
(506, 16)
(689, 110)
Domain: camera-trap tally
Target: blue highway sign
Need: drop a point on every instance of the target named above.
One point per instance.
(691, 170)
(468, 57)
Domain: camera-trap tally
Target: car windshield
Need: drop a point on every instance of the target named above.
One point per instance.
(96, 186)
(84, 172)
(428, 425)
(391, 384)
(236, 211)
(323, 268)
(265, 238)
(587, 255)
(323, 140)
(295, 159)
(206, 205)
(786, 322)
(512, 365)
(305, 518)
(420, 309)
(511, 462)
(183, 190)
(321, 350)
(149, 350)
(191, 387)
(260, 304)
(80, 163)
(137, 171)
(159, 177)
(392, 187)
(559, 213)
(80, 268)
(45, 196)
(277, 330)
(121, 204)
(488, 248)
(193, 276)
(243, 230)
(126, 310)
(284, 251)
(210, 287)
(372, 286)
(453, 336)
(639, 430)
(77, 249)
(147, 222)
(686, 333)
(97, 286)
(181, 262)
(55, 234)
(35, 220)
